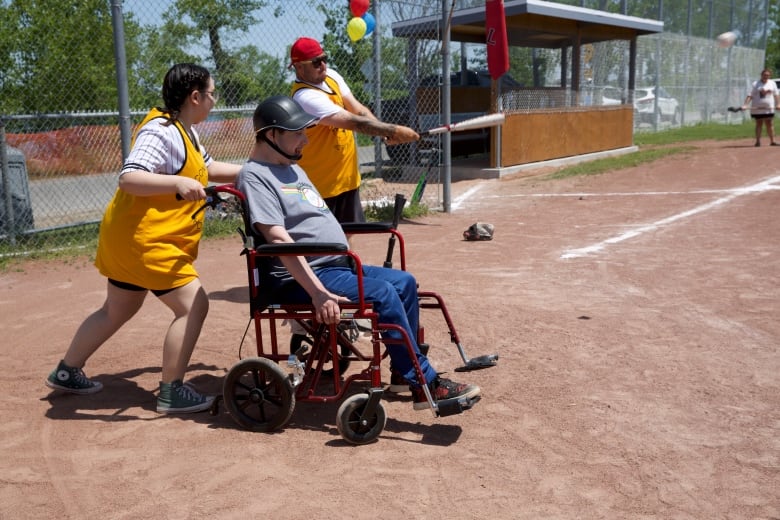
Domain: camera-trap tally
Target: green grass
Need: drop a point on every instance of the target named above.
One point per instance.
(698, 132)
(657, 145)
(385, 213)
(54, 244)
(618, 163)
(82, 241)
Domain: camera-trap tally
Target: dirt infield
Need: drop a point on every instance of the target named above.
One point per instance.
(636, 318)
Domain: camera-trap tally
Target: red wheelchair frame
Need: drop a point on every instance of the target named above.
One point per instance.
(260, 395)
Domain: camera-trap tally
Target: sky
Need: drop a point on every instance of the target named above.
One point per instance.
(283, 30)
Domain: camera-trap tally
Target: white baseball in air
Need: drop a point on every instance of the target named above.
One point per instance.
(726, 39)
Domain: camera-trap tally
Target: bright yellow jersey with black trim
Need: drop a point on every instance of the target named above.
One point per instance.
(153, 241)
(330, 159)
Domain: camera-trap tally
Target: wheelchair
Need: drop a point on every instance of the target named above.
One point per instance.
(260, 392)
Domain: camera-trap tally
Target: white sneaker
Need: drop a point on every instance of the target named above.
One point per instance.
(297, 328)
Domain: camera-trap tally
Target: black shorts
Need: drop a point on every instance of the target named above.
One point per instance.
(346, 206)
(762, 116)
(131, 287)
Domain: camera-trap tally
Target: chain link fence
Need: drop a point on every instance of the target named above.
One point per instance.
(62, 135)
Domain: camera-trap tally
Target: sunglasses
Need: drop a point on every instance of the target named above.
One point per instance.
(316, 62)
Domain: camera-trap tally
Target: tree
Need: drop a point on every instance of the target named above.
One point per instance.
(161, 48)
(345, 55)
(189, 21)
(57, 56)
(259, 66)
(349, 57)
(773, 41)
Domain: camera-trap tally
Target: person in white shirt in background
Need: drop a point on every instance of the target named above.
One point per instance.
(763, 100)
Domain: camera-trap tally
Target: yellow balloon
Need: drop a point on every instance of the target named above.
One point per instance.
(356, 28)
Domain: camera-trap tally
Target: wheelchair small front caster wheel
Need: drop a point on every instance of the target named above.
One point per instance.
(258, 395)
(355, 428)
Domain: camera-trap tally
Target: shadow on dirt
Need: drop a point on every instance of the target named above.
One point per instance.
(234, 295)
(321, 417)
(123, 400)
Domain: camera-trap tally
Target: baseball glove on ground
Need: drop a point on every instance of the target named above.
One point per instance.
(479, 231)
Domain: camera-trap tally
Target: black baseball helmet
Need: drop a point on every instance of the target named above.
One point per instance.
(281, 112)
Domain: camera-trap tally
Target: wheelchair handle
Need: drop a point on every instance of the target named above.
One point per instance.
(212, 199)
(398, 210)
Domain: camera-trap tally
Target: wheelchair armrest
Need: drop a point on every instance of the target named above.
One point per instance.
(302, 249)
(366, 227)
(307, 249)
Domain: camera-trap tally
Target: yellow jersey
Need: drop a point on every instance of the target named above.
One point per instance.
(330, 159)
(153, 241)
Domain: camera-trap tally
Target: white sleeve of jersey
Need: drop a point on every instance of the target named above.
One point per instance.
(159, 148)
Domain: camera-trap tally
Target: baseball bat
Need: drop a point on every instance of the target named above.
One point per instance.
(485, 121)
(735, 109)
(420, 188)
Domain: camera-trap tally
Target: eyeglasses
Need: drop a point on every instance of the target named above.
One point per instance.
(213, 93)
(316, 62)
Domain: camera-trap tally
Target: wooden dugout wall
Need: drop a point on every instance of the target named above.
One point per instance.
(546, 134)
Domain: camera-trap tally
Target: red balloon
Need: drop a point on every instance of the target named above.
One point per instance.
(358, 7)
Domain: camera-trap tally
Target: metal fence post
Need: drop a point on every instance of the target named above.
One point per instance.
(446, 101)
(120, 66)
(377, 71)
(8, 199)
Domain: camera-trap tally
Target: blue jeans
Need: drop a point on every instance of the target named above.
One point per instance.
(394, 295)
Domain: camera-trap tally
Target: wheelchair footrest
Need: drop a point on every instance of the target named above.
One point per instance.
(479, 362)
(455, 406)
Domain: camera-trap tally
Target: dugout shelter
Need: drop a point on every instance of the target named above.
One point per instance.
(554, 121)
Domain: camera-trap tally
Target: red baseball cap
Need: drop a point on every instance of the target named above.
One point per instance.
(305, 49)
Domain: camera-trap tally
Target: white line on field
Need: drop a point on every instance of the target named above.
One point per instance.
(460, 200)
(615, 194)
(733, 194)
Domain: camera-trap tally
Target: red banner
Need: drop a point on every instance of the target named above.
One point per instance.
(495, 38)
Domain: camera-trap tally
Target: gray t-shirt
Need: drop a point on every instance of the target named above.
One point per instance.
(284, 196)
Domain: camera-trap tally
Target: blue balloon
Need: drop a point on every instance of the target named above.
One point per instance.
(370, 23)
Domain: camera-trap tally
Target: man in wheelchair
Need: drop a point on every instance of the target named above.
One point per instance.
(284, 207)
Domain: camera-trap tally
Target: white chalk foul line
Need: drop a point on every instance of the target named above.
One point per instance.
(610, 194)
(737, 192)
(464, 197)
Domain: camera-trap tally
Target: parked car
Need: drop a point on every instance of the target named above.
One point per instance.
(644, 104)
(601, 95)
(611, 96)
(469, 100)
(474, 78)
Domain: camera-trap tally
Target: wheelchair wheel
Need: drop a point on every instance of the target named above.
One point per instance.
(351, 428)
(298, 340)
(258, 395)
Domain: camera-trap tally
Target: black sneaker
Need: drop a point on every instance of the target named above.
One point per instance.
(72, 380)
(442, 389)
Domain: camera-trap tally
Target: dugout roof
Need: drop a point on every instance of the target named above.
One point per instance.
(534, 23)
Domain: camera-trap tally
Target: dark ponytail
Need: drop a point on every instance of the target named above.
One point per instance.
(180, 81)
